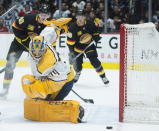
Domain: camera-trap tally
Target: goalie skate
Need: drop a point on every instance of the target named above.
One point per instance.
(81, 114)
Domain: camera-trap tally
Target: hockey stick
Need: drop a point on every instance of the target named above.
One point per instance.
(83, 51)
(85, 100)
(2, 70)
(12, 8)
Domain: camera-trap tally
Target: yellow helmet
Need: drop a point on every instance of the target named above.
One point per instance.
(37, 46)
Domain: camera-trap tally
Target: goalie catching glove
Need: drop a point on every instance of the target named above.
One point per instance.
(60, 23)
(86, 38)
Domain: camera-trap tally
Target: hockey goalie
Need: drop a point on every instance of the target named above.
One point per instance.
(51, 82)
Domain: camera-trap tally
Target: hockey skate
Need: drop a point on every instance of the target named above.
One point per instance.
(4, 93)
(105, 81)
(81, 114)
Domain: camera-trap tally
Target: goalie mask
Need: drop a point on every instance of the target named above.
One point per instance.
(37, 47)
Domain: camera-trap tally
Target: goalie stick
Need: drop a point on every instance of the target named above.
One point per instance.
(85, 100)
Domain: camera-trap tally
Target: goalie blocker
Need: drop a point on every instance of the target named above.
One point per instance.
(53, 111)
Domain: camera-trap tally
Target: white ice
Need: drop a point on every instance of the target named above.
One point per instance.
(101, 114)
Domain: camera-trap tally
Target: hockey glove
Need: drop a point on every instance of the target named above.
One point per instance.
(96, 38)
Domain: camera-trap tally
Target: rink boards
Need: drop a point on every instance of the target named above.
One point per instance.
(107, 47)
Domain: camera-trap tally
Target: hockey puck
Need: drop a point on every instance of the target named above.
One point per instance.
(109, 127)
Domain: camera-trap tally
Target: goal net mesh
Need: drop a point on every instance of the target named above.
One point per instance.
(139, 73)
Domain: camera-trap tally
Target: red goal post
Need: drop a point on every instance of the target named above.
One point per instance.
(139, 73)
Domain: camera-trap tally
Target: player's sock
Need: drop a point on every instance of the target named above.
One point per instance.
(6, 84)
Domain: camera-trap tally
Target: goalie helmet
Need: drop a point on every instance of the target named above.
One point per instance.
(37, 46)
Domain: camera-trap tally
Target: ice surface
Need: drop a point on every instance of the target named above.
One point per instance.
(103, 113)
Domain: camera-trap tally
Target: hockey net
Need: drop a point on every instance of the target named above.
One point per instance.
(139, 73)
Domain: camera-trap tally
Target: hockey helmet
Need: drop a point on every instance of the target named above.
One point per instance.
(81, 13)
(42, 17)
(37, 46)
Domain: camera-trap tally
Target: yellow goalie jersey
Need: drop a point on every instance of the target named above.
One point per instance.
(49, 75)
(50, 66)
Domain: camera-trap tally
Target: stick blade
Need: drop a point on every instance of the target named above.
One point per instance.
(2, 70)
(89, 101)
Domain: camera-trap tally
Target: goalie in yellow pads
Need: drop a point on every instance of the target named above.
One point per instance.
(51, 82)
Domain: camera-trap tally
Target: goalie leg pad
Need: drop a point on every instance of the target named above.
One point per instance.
(51, 111)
